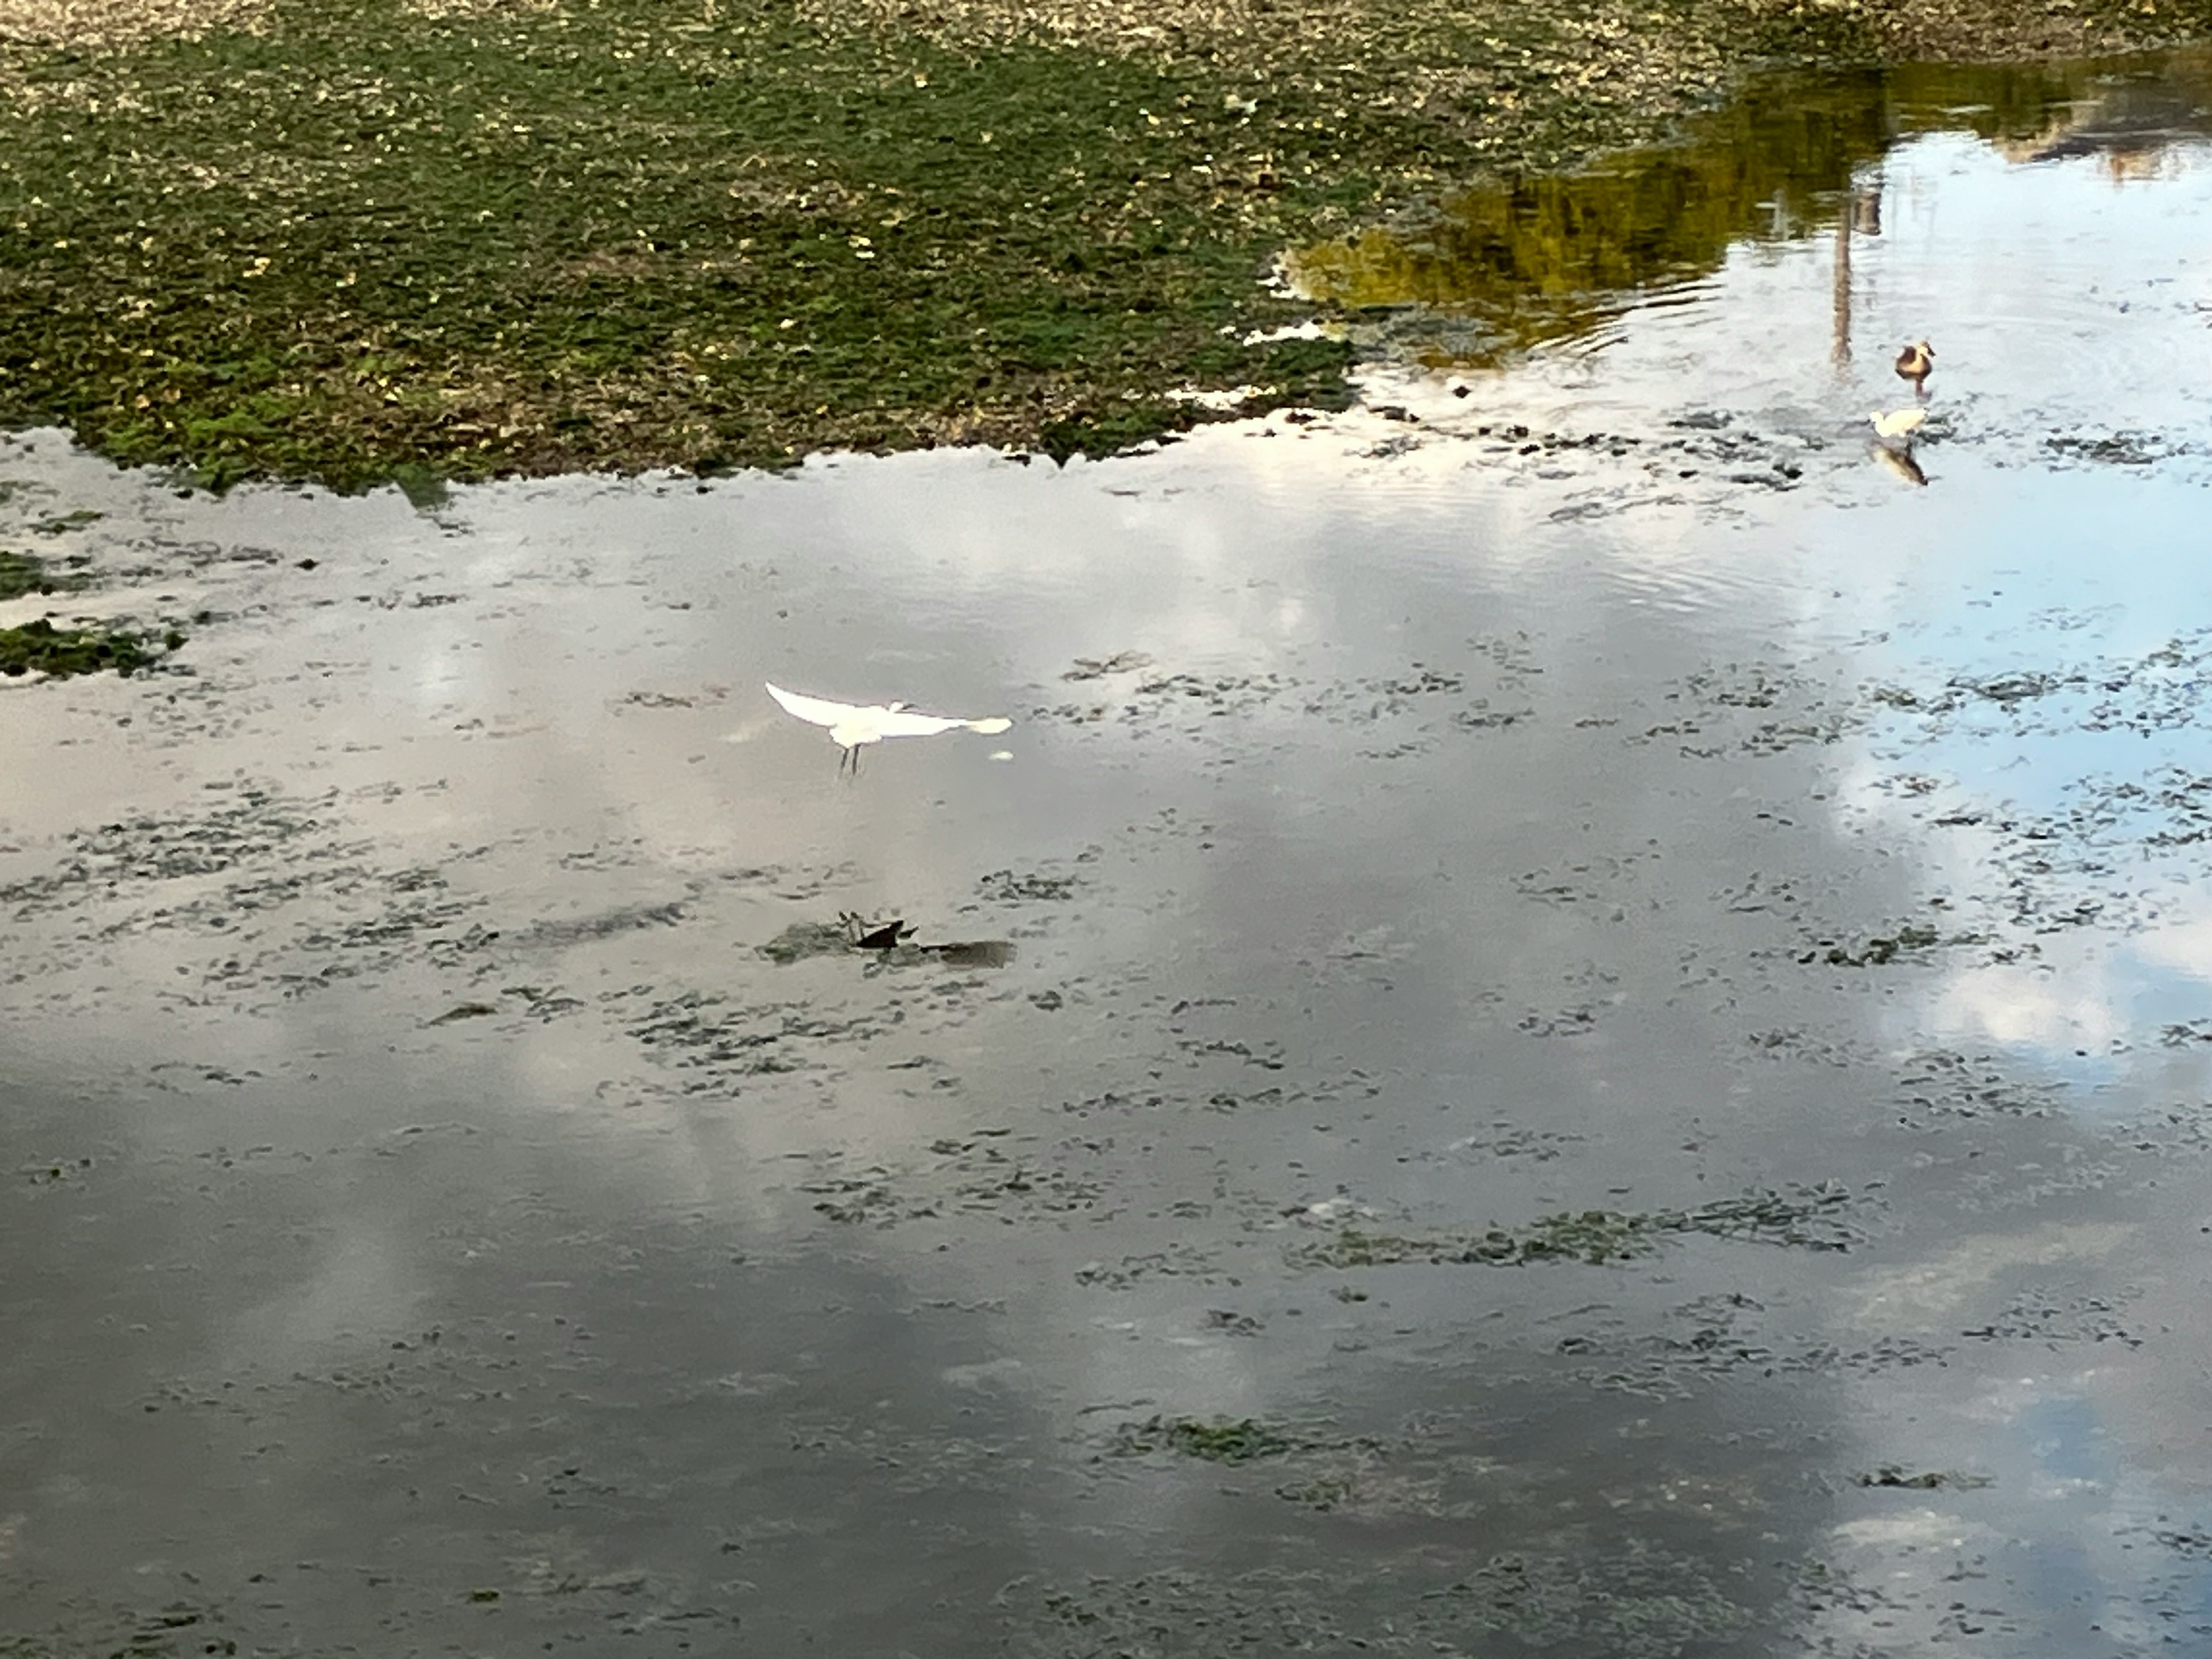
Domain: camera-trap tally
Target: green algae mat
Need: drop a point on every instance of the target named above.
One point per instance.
(360, 240)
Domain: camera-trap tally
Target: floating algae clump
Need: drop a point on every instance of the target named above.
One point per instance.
(39, 647)
(1807, 1217)
(1226, 1440)
(25, 573)
(803, 939)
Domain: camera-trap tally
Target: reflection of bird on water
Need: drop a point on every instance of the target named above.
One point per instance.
(1900, 463)
(1916, 364)
(1898, 422)
(851, 726)
(891, 939)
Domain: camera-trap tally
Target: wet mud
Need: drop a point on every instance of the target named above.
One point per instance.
(1531, 1045)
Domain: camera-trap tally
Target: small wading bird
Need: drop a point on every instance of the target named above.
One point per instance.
(1915, 363)
(850, 726)
(1898, 422)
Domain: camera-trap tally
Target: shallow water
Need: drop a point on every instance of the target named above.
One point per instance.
(1612, 807)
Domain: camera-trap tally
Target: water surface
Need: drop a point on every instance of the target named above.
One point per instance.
(1604, 1048)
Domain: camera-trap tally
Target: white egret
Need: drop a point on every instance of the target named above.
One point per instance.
(1898, 422)
(851, 726)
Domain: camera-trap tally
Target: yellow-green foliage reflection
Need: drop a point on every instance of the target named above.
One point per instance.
(1506, 266)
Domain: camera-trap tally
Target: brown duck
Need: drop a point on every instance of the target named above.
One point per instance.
(1915, 363)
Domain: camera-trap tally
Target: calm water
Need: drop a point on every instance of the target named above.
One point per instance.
(1614, 812)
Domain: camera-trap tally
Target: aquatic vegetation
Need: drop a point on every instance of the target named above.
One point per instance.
(1220, 1440)
(1890, 1474)
(1884, 948)
(1323, 1494)
(60, 523)
(803, 939)
(1234, 1440)
(39, 646)
(26, 572)
(366, 241)
(1626, 1599)
(1809, 1217)
(1022, 887)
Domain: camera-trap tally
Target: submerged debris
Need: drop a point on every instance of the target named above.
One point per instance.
(889, 941)
(867, 935)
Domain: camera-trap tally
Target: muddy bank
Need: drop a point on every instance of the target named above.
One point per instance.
(353, 242)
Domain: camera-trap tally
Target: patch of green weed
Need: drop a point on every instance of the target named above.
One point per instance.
(41, 648)
(1809, 1217)
(358, 243)
(26, 572)
(1219, 1440)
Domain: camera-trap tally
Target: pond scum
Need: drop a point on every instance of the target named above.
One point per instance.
(357, 240)
(1809, 1217)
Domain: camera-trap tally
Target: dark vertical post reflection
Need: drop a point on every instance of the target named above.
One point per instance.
(1860, 212)
(1839, 347)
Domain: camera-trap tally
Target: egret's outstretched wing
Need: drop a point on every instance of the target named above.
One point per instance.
(818, 711)
(905, 723)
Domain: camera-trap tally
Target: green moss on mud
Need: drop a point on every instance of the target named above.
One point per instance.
(360, 242)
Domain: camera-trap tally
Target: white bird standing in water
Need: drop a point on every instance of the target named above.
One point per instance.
(851, 726)
(1898, 422)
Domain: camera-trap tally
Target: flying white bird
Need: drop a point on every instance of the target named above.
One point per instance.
(1898, 422)
(850, 726)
